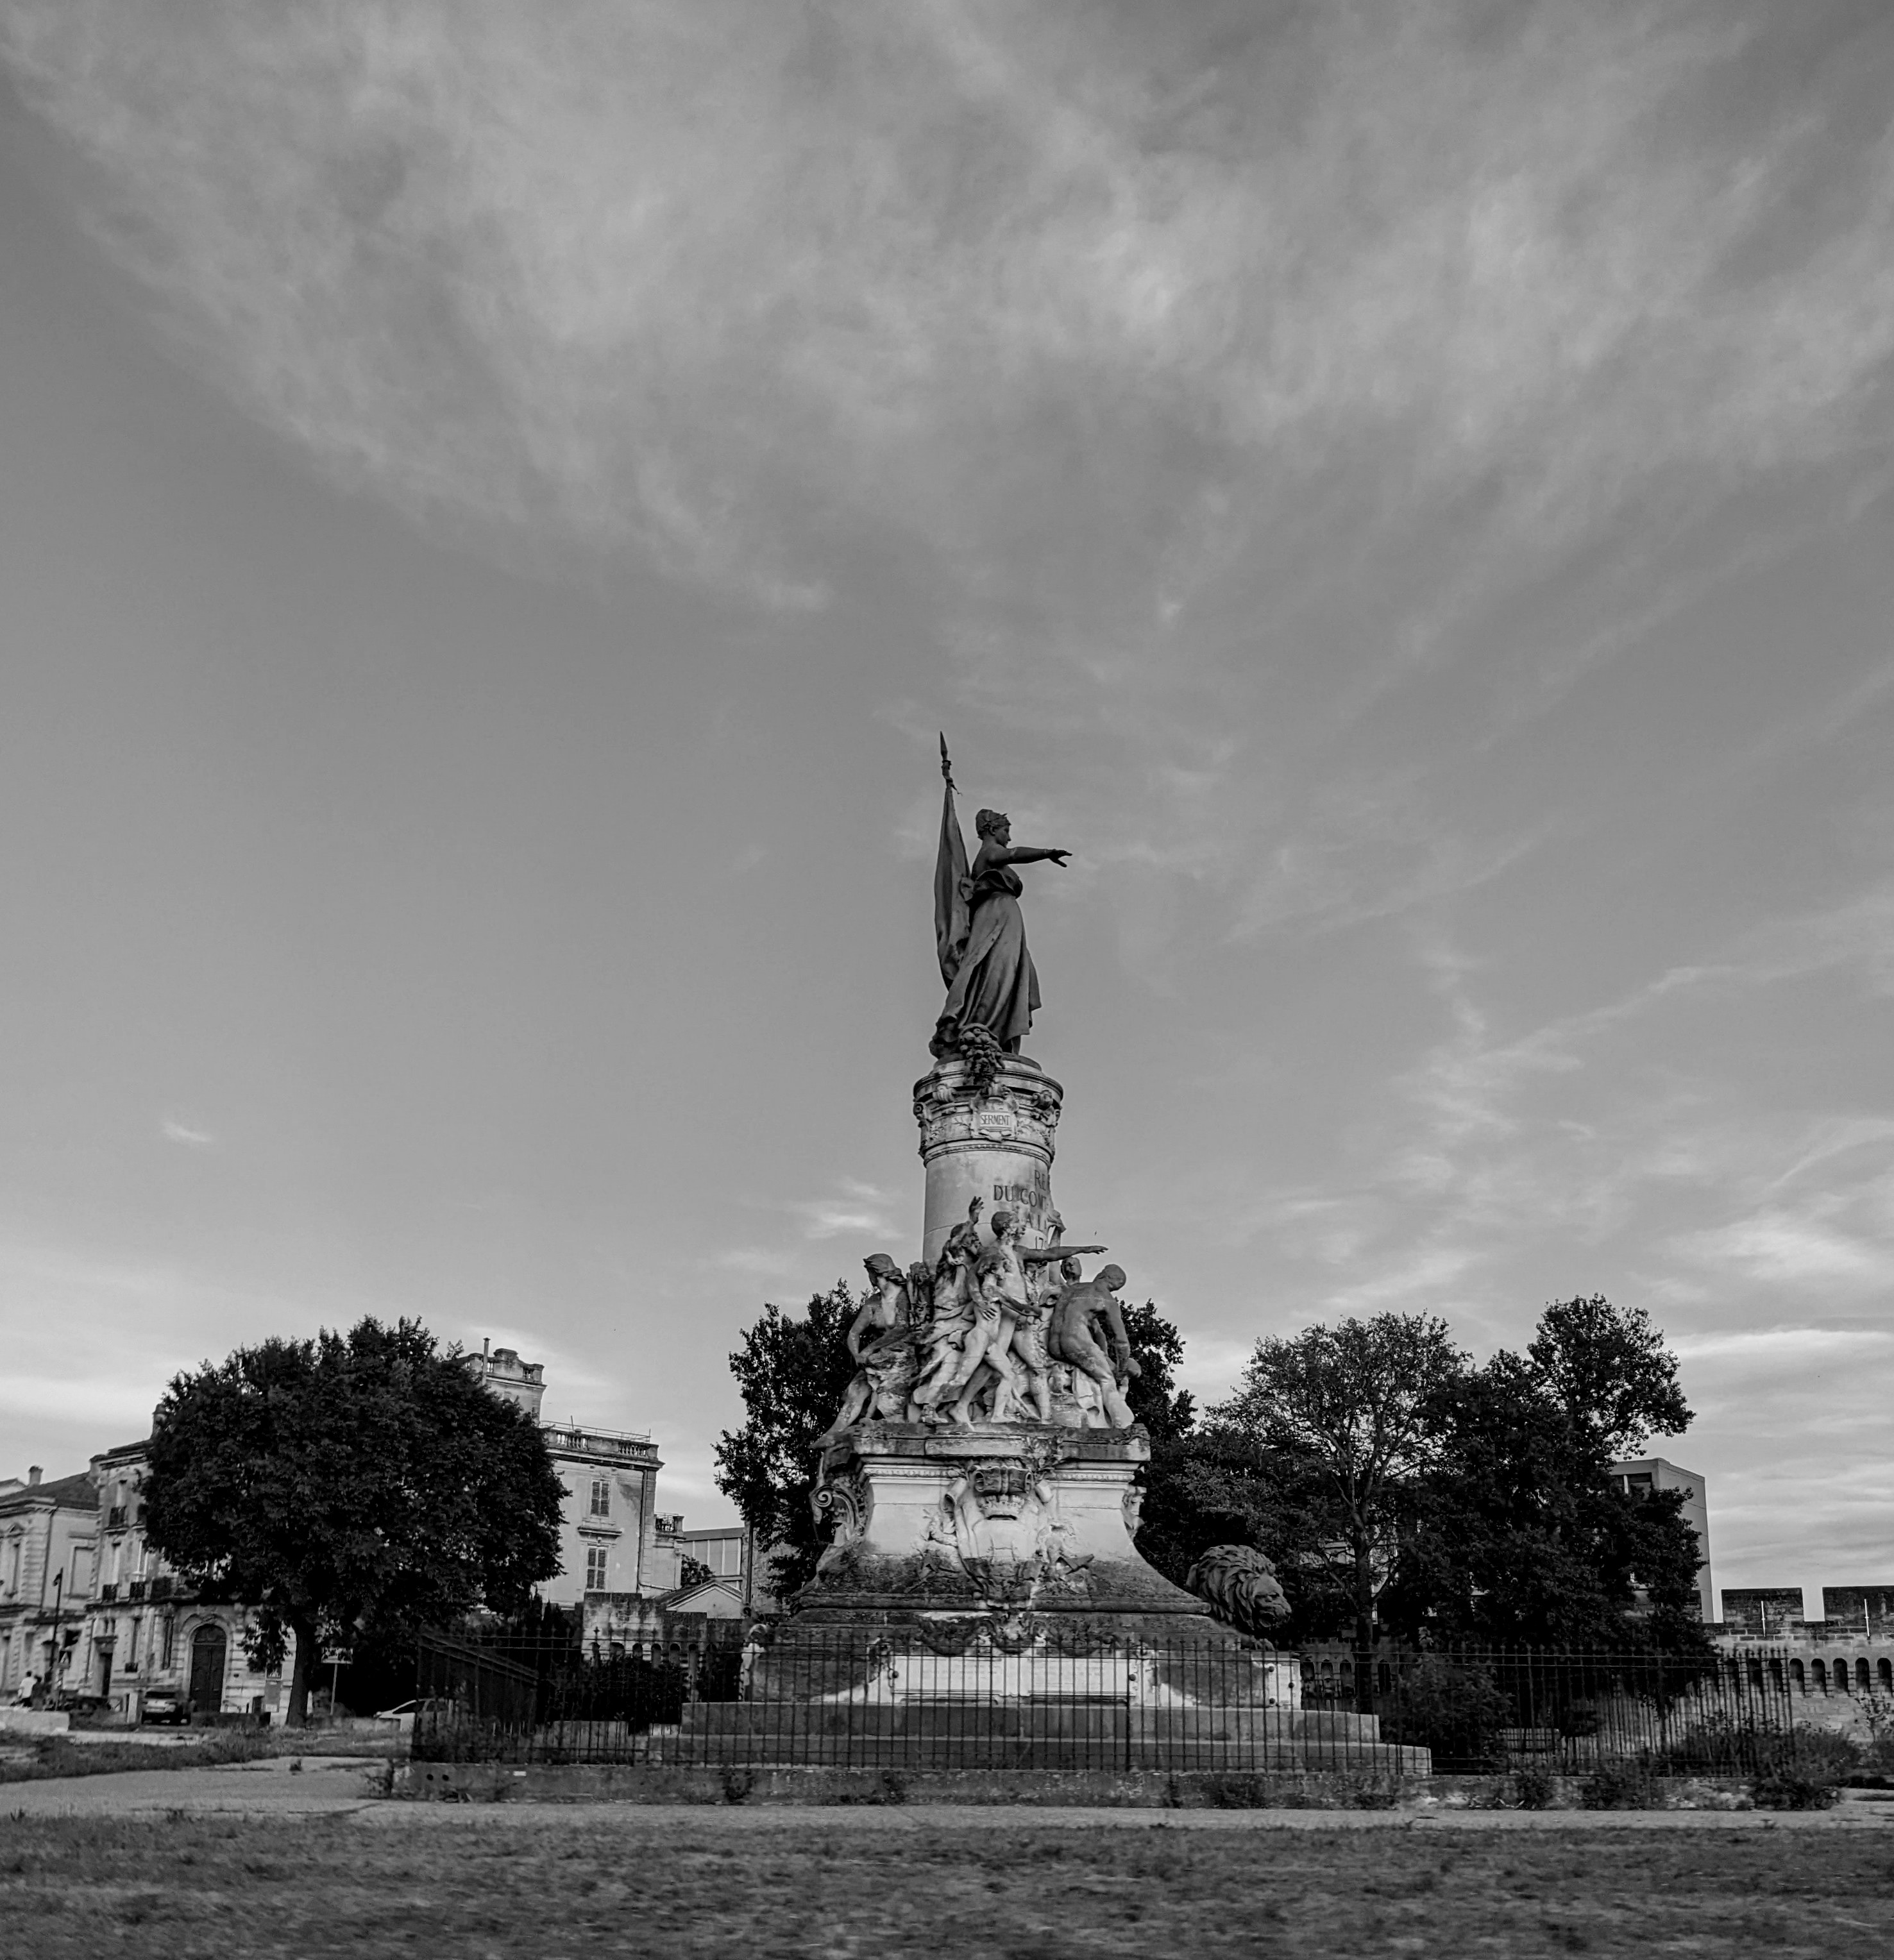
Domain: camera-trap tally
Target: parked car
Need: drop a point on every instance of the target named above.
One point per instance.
(165, 1704)
(403, 1712)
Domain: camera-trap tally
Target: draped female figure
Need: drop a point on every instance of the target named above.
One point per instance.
(988, 967)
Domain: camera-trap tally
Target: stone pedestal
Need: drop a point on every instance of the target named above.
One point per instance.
(982, 1565)
(991, 1140)
(1015, 1519)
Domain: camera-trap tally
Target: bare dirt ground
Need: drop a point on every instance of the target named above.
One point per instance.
(401, 1878)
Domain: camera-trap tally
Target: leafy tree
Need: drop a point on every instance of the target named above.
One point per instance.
(1521, 1538)
(1608, 1369)
(1167, 1411)
(793, 1374)
(1346, 1412)
(349, 1484)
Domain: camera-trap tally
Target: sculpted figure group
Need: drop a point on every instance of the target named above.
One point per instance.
(997, 1333)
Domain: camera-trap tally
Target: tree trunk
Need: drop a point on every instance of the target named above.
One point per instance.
(300, 1669)
(1364, 1628)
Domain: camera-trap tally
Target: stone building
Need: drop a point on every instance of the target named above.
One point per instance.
(143, 1628)
(46, 1574)
(1840, 1668)
(727, 1553)
(1636, 1475)
(1869, 1607)
(608, 1540)
(1761, 1612)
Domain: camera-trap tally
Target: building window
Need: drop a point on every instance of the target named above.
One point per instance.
(601, 1496)
(169, 1641)
(595, 1568)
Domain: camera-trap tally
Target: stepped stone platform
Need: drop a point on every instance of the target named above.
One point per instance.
(1031, 1733)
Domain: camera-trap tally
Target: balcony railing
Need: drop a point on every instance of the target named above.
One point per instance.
(108, 1591)
(136, 1590)
(115, 1518)
(597, 1442)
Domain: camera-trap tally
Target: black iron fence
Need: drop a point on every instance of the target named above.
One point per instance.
(841, 1697)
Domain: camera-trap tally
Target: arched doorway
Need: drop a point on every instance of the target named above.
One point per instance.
(210, 1648)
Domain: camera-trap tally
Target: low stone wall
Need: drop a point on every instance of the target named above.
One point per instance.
(34, 1721)
(780, 1783)
(1132, 1790)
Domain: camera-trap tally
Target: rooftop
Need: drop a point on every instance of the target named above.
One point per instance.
(76, 1493)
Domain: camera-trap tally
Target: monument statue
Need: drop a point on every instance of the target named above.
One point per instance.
(1241, 1588)
(881, 1341)
(1081, 1307)
(979, 931)
(978, 1489)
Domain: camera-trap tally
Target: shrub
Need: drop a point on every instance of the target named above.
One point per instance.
(1821, 1752)
(1716, 1746)
(1788, 1785)
(1453, 1707)
(1536, 1786)
(1621, 1785)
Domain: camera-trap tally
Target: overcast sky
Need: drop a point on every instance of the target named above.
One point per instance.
(498, 499)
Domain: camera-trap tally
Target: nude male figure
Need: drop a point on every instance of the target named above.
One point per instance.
(1082, 1307)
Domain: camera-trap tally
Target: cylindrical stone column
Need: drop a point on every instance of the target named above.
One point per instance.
(995, 1144)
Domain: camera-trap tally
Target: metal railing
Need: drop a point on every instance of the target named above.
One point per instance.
(845, 1698)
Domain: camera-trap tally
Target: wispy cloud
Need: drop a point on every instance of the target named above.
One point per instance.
(712, 276)
(857, 1210)
(176, 1132)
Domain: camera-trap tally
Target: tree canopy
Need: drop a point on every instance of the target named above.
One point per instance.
(793, 1374)
(1342, 1414)
(350, 1484)
(1608, 1369)
(1520, 1536)
(1492, 1518)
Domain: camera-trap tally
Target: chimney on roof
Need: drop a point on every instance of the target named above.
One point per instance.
(32, 1474)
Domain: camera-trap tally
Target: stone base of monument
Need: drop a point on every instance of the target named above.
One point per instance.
(1013, 1536)
(981, 1604)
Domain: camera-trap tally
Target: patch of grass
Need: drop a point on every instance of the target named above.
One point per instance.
(48, 1756)
(544, 1881)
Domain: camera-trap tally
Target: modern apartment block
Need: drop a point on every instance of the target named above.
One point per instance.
(1654, 1473)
